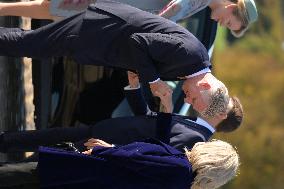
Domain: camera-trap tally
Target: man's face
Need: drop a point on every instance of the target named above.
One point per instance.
(225, 17)
(193, 95)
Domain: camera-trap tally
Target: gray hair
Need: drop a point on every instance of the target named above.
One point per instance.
(215, 163)
(218, 101)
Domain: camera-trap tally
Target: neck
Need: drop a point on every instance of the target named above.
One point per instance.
(212, 121)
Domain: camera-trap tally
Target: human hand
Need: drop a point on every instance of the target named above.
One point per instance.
(171, 9)
(96, 142)
(160, 88)
(88, 152)
(45, 1)
(75, 4)
(133, 79)
(166, 101)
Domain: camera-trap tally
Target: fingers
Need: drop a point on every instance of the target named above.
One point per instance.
(166, 101)
(159, 87)
(132, 74)
(93, 140)
(96, 142)
(133, 79)
(92, 143)
(162, 90)
(158, 94)
(167, 93)
(88, 152)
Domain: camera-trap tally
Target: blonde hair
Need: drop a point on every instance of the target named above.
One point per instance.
(215, 163)
(241, 13)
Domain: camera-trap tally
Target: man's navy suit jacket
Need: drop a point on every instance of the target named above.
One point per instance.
(175, 130)
(139, 165)
(115, 35)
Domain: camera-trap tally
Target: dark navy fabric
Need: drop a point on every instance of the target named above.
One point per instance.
(114, 35)
(173, 129)
(139, 165)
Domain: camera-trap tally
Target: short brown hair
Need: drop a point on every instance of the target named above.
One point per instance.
(218, 100)
(234, 117)
(241, 12)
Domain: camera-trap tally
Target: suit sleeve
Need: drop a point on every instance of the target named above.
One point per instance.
(52, 40)
(155, 163)
(137, 152)
(151, 49)
(187, 140)
(136, 101)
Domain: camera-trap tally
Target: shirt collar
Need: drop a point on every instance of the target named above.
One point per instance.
(205, 70)
(204, 123)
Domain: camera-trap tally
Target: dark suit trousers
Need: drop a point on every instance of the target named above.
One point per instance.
(120, 131)
(55, 39)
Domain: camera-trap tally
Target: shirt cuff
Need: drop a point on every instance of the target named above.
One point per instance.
(155, 81)
(131, 88)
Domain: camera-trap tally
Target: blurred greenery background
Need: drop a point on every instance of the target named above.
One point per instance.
(253, 69)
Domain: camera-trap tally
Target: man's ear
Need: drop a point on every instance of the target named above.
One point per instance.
(231, 6)
(204, 85)
(222, 116)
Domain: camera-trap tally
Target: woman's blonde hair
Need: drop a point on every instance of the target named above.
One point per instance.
(215, 163)
(241, 13)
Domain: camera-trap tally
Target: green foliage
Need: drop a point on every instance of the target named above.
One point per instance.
(253, 69)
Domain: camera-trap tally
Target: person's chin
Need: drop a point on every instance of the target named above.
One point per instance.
(213, 17)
